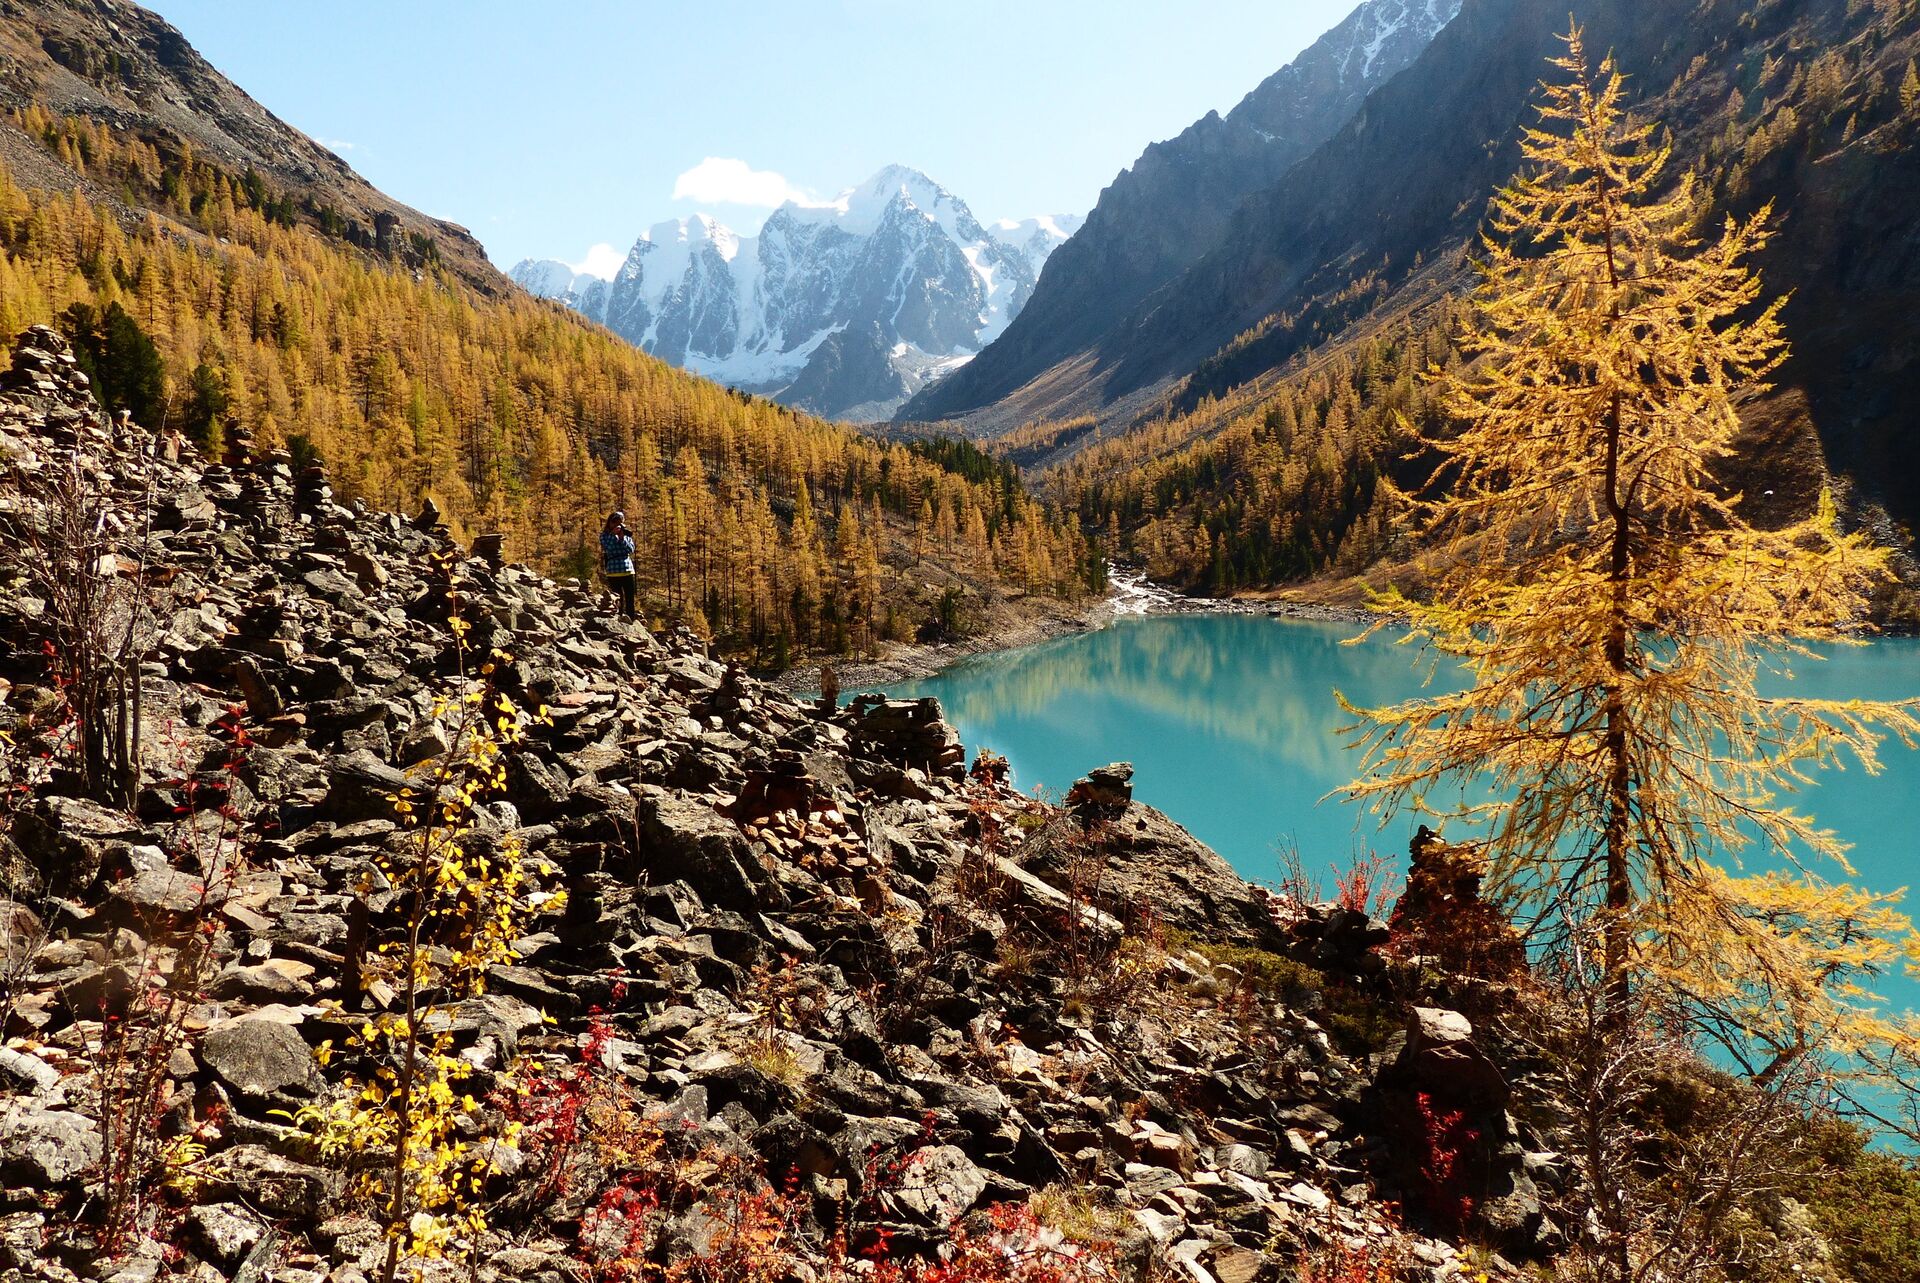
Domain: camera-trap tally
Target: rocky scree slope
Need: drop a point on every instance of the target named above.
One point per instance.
(843, 309)
(805, 949)
(1173, 206)
(126, 67)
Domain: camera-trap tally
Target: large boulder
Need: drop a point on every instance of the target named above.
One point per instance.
(684, 838)
(936, 1186)
(65, 840)
(47, 1146)
(1133, 860)
(1109, 787)
(166, 894)
(224, 1232)
(260, 1057)
(362, 787)
(1440, 1057)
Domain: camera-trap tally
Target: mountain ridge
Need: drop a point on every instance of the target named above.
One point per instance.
(1162, 214)
(1794, 106)
(842, 308)
(125, 66)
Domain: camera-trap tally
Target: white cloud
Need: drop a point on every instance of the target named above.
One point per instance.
(336, 144)
(603, 261)
(722, 180)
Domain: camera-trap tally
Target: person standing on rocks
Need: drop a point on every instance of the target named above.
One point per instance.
(616, 559)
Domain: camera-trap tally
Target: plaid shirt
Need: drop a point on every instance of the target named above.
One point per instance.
(616, 553)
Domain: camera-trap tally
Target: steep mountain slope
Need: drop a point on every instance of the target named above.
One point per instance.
(842, 309)
(1797, 102)
(212, 291)
(120, 64)
(1165, 213)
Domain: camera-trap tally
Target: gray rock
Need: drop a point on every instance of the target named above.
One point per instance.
(27, 1072)
(1438, 1027)
(1244, 1159)
(278, 1186)
(275, 980)
(1512, 1207)
(936, 1185)
(21, 930)
(423, 742)
(46, 1146)
(1151, 861)
(363, 788)
(65, 838)
(224, 1232)
(1109, 786)
(259, 1057)
(167, 891)
(684, 837)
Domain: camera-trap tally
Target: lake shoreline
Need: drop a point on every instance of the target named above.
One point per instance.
(916, 662)
(1130, 594)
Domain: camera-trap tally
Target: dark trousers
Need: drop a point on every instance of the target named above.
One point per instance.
(622, 586)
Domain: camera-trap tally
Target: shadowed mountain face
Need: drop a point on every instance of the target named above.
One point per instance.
(125, 67)
(1165, 213)
(844, 308)
(1793, 103)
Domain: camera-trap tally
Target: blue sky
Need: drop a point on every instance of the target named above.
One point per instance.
(550, 128)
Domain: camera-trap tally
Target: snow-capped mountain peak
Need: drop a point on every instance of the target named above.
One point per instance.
(700, 229)
(861, 209)
(844, 307)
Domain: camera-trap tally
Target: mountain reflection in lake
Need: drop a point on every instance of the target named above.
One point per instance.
(1229, 720)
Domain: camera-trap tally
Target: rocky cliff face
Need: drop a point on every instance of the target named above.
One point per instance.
(806, 952)
(843, 309)
(1172, 207)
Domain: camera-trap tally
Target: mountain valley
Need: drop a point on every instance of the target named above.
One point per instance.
(1323, 723)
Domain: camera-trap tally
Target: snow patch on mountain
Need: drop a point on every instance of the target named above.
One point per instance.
(845, 307)
(1384, 23)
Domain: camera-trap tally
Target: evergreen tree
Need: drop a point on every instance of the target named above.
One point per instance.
(206, 404)
(122, 362)
(511, 415)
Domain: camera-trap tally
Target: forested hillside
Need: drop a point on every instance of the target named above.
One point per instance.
(1269, 484)
(212, 301)
(1232, 430)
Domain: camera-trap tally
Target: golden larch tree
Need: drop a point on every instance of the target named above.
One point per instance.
(1614, 605)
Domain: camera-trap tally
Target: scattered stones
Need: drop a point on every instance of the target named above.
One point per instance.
(802, 937)
(909, 732)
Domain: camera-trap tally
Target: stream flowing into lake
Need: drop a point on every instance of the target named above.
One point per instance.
(1232, 727)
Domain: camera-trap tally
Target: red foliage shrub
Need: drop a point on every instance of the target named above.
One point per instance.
(1014, 1247)
(1447, 1136)
(1367, 885)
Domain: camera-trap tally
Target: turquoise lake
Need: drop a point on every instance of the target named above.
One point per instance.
(1231, 725)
